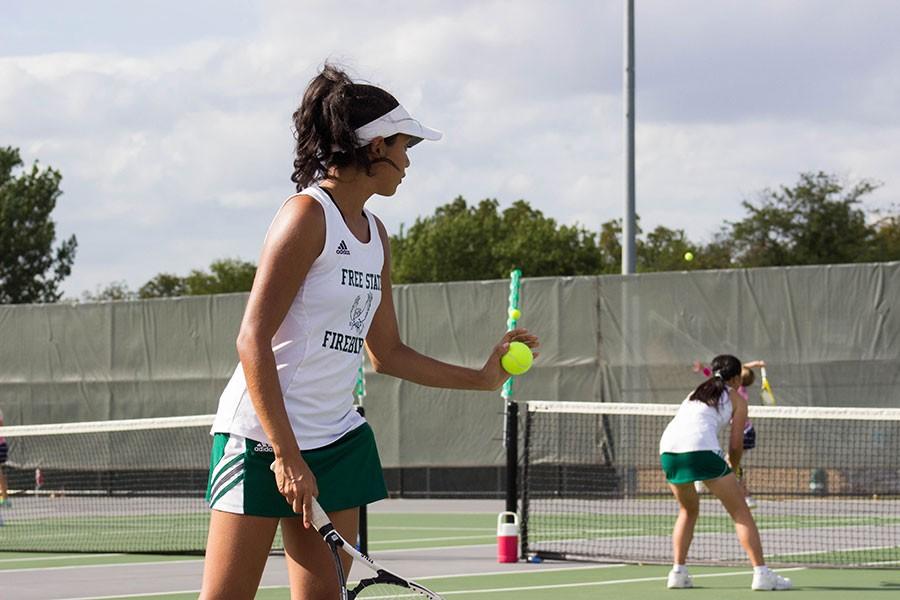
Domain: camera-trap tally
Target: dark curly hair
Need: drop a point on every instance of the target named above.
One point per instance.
(724, 367)
(325, 124)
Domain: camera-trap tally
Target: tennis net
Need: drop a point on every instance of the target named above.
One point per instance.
(826, 482)
(112, 486)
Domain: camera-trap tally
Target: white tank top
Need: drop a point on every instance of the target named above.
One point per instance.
(696, 426)
(318, 345)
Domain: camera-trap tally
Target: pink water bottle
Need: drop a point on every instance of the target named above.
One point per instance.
(507, 537)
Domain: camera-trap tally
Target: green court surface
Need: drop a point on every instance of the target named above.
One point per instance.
(430, 530)
(633, 582)
(434, 532)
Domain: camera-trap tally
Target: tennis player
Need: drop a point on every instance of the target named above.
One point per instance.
(4, 450)
(322, 293)
(689, 451)
(747, 379)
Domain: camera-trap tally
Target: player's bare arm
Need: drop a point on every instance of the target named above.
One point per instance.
(285, 260)
(391, 356)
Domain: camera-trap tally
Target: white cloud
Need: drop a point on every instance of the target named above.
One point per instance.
(176, 150)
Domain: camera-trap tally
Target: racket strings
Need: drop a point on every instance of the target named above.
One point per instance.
(383, 591)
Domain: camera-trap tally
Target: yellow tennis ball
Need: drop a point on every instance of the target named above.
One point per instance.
(689, 256)
(517, 359)
(515, 314)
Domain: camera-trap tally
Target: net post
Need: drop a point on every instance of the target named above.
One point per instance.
(511, 409)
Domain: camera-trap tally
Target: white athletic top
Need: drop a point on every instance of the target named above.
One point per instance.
(318, 345)
(696, 426)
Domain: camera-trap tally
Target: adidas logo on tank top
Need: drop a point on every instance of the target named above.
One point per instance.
(342, 248)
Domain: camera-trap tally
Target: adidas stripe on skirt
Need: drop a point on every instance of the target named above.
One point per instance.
(348, 474)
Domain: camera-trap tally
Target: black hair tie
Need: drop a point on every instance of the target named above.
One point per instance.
(718, 375)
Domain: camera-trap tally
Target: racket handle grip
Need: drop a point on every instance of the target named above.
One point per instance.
(318, 517)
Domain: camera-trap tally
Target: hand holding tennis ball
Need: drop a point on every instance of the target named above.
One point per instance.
(517, 359)
(513, 355)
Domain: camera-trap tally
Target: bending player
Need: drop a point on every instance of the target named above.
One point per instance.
(689, 451)
(321, 292)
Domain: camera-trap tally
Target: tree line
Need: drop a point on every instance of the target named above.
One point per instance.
(819, 219)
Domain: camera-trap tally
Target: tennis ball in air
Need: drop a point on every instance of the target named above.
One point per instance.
(515, 314)
(517, 359)
(689, 256)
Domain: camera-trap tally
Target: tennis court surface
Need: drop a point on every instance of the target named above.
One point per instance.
(449, 545)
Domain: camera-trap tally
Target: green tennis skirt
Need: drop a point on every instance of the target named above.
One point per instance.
(688, 467)
(348, 474)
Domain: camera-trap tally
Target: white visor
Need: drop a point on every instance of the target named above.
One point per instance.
(396, 121)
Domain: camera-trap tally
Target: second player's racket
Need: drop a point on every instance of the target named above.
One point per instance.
(767, 397)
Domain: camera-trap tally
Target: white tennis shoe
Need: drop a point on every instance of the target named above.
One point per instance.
(679, 580)
(769, 580)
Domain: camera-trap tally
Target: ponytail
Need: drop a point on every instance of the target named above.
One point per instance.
(724, 368)
(332, 109)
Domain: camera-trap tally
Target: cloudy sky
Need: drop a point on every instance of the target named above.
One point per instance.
(170, 119)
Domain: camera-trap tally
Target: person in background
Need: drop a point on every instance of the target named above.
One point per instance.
(690, 451)
(4, 451)
(747, 379)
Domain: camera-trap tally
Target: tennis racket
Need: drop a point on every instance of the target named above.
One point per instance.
(767, 397)
(384, 585)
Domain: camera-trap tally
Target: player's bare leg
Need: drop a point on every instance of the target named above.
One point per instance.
(236, 552)
(689, 510)
(729, 492)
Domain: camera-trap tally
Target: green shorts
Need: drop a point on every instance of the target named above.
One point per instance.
(348, 474)
(688, 467)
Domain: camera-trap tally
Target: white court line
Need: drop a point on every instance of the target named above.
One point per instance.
(58, 557)
(280, 587)
(107, 565)
(881, 563)
(829, 551)
(433, 539)
(599, 583)
(151, 594)
(126, 564)
(482, 591)
(402, 528)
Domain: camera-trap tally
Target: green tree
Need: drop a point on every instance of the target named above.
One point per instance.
(225, 276)
(462, 242)
(117, 290)
(886, 243)
(662, 249)
(611, 246)
(31, 269)
(817, 221)
(164, 285)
